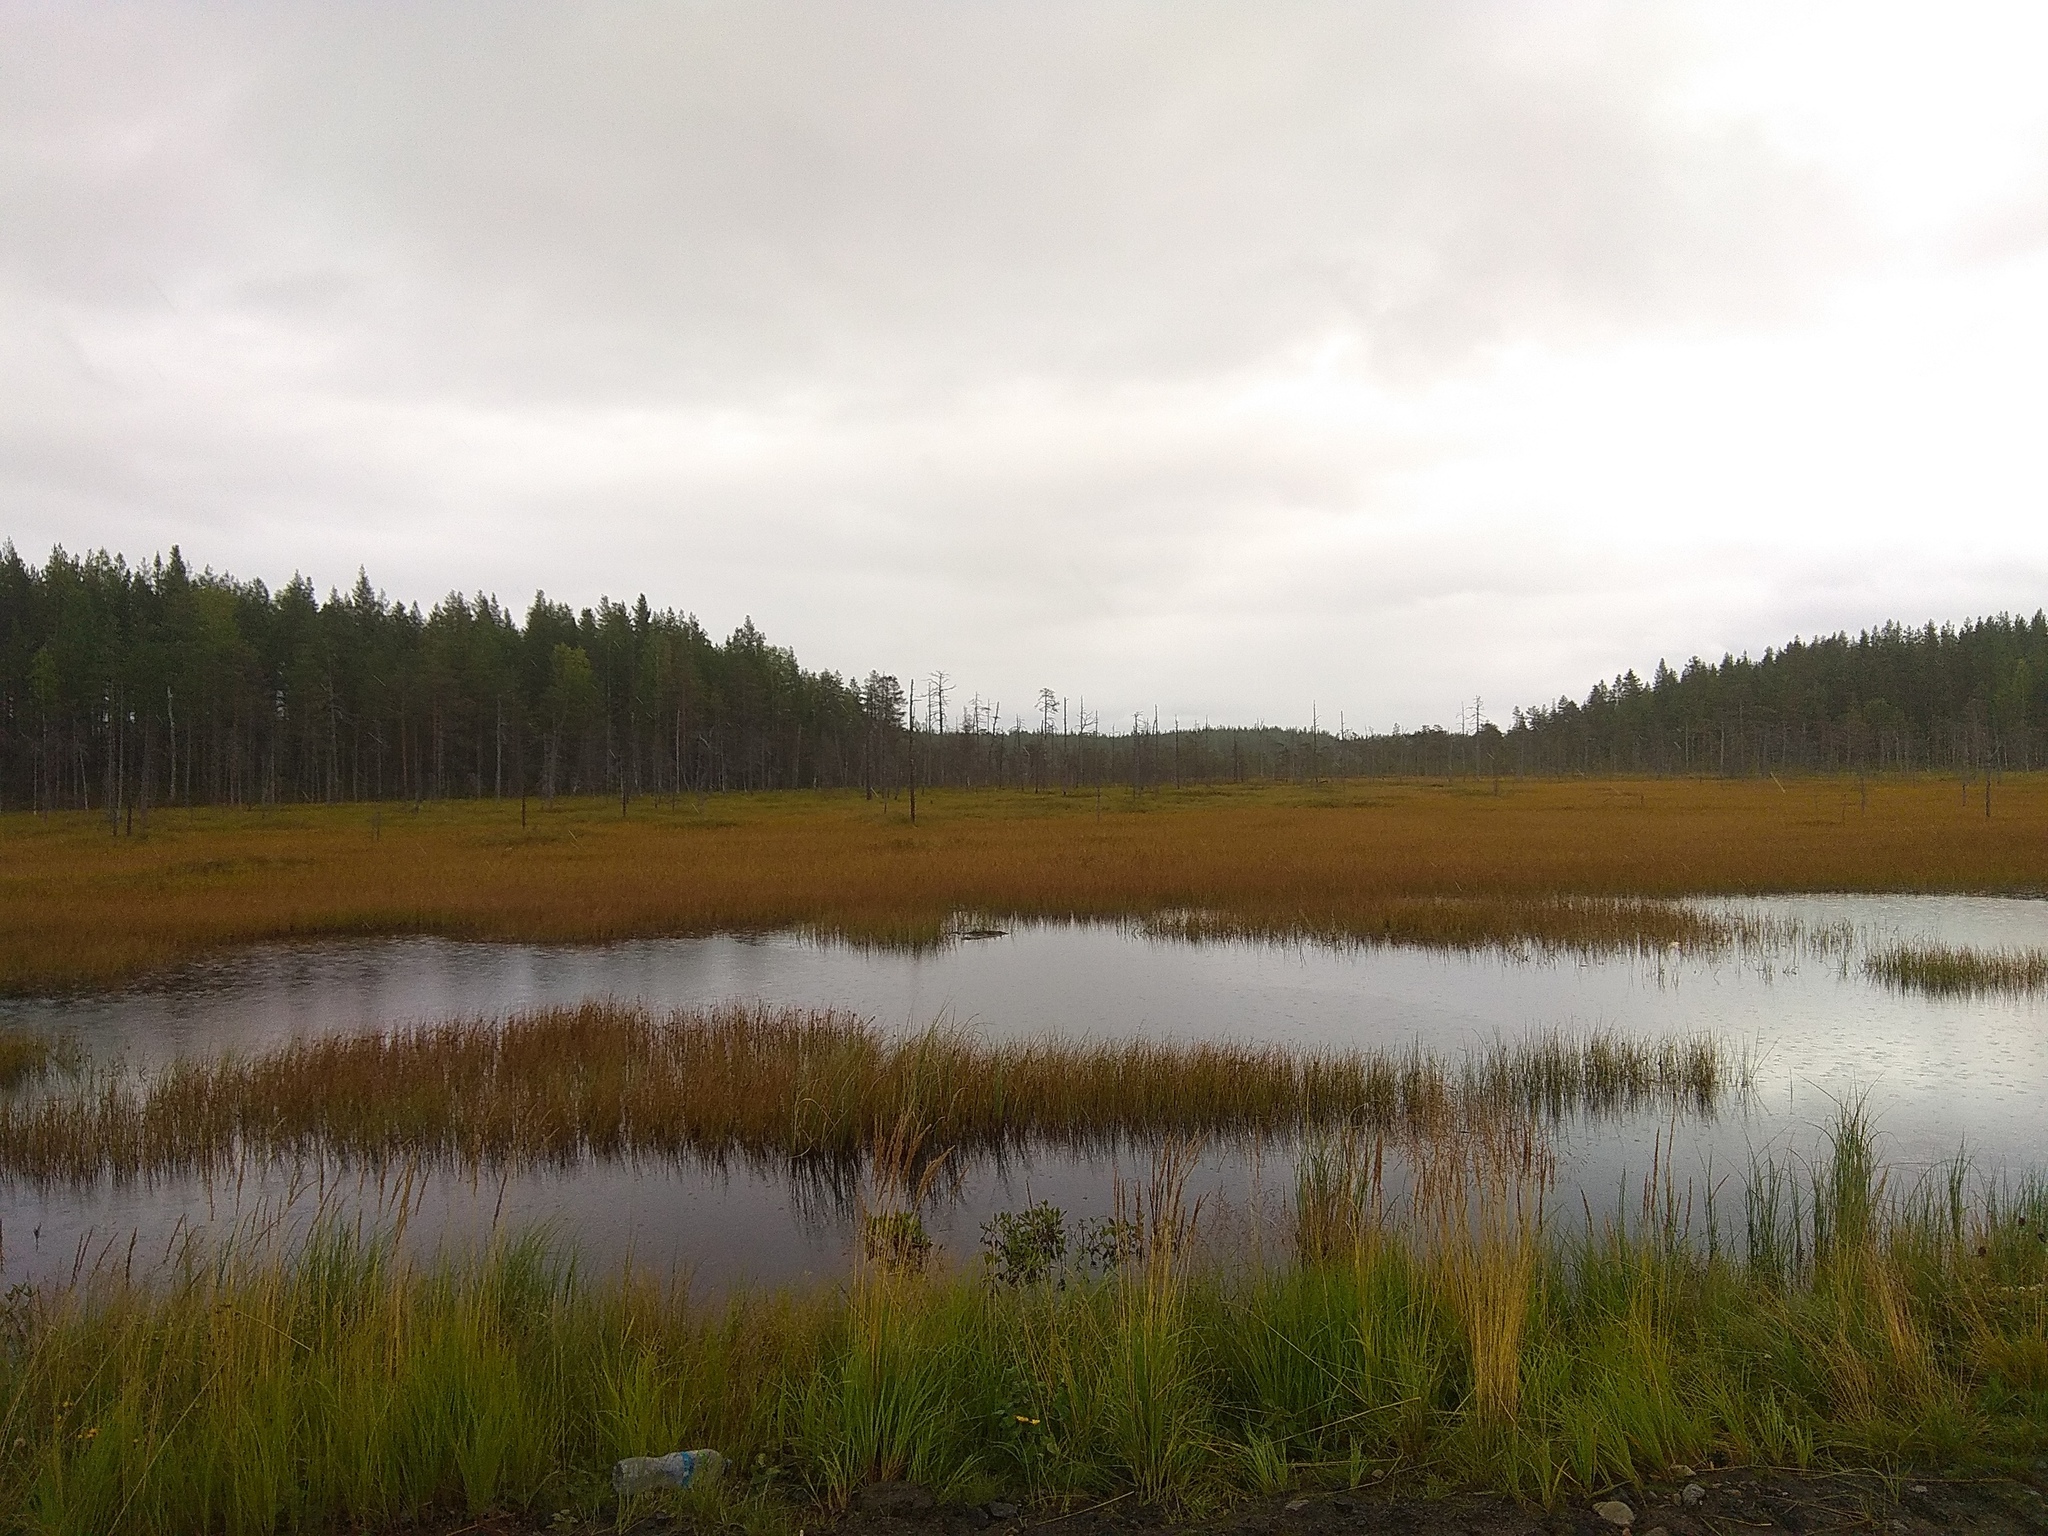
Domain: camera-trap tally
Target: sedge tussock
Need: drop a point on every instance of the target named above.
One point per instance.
(1481, 1195)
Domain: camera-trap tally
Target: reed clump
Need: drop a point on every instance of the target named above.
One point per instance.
(1340, 1195)
(615, 1080)
(1958, 970)
(1549, 865)
(1481, 1198)
(1463, 1339)
(30, 1055)
(1544, 926)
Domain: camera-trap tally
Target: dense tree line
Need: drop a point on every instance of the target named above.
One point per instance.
(1936, 698)
(123, 687)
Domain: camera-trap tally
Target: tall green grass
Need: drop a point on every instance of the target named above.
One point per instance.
(252, 1390)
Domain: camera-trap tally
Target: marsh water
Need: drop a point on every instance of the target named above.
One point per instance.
(1939, 1076)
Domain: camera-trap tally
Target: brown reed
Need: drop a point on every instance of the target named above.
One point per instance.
(1556, 863)
(611, 1080)
(28, 1055)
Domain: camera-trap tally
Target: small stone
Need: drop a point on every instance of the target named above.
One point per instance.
(1692, 1495)
(1344, 1504)
(1658, 1530)
(1919, 1487)
(1293, 1505)
(999, 1509)
(1616, 1513)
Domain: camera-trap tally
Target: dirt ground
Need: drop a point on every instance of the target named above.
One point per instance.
(1710, 1503)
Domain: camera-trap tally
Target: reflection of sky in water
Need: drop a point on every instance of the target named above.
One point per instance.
(1939, 1074)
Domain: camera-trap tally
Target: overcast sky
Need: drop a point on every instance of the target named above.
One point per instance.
(1235, 361)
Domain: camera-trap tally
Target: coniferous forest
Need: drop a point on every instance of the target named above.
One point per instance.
(126, 686)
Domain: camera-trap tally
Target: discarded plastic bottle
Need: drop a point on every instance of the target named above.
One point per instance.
(678, 1469)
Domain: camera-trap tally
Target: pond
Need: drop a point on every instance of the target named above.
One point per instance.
(1940, 1075)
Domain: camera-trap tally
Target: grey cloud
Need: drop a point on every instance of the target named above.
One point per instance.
(906, 329)
(720, 200)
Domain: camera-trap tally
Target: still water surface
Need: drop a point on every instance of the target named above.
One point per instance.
(1940, 1075)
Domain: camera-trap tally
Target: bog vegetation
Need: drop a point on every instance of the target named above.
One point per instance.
(1456, 1334)
(1953, 970)
(124, 688)
(610, 1080)
(1553, 865)
(30, 1055)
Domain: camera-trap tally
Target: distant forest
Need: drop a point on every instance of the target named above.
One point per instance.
(123, 687)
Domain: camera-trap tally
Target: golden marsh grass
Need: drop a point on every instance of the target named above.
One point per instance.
(1553, 863)
(611, 1080)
